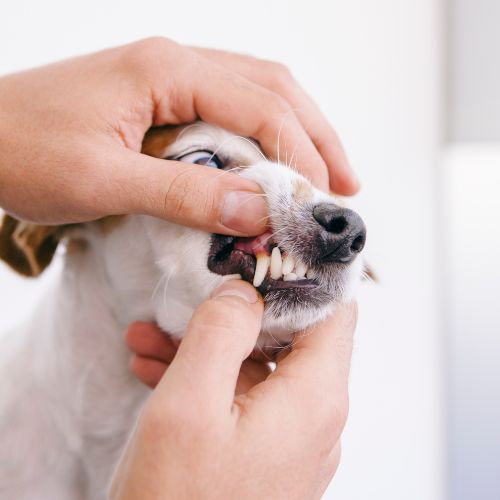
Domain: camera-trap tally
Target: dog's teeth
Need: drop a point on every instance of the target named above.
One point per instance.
(276, 263)
(311, 274)
(290, 277)
(261, 268)
(288, 264)
(300, 269)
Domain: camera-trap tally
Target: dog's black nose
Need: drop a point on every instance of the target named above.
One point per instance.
(343, 233)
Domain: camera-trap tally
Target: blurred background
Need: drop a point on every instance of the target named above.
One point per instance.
(414, 90)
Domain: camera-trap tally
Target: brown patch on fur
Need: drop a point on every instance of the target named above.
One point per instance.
(369, 274)
(76, 246)
(27, 248)
(110, 223)
(302, 191)
(158, 139)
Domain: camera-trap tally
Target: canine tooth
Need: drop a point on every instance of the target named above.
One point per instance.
(290, 277)
(311, 274)
(261, 268)
(300, 269)
(288, 264)
(276, 263)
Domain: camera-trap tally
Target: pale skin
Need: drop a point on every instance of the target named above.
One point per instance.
(73, 131)
(70, 137)
(219, 425)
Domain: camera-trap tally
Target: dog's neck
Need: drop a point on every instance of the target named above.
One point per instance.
(79, 363)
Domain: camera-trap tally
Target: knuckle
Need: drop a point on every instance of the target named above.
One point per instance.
(150, 45)
(281, 78)
(182, 190)
(279, 105)
(177, 195)
(142, 56)
(221, 316)
(218, 324)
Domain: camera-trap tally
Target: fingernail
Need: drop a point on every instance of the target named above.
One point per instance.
(236, 288)
(244, 211)
(351, 179)
(356, 183)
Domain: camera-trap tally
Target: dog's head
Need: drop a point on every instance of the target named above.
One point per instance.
(306, 263)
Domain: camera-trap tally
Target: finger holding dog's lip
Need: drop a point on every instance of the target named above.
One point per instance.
(211, 92)
(192, 195)
(264, 116)
(277, 78)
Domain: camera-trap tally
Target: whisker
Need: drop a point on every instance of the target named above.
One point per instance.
(264, 218)
(282, 124)
(264, 353)
(252, 143)
(157, 287)
(277, 232)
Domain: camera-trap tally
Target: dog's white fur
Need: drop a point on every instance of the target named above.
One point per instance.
(67, 398)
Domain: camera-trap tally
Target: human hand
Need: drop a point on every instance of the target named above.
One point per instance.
(277, 439)
(71, 135)
(153, 350)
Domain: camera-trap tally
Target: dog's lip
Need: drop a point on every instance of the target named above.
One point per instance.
(270, 285)
(225, 259)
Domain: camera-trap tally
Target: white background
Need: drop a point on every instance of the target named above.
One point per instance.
(374, 68)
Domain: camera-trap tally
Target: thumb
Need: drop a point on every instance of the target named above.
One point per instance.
(220, 335)
(191, 195)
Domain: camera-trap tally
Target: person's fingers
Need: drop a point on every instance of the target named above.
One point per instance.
(153, 351)
(328, 470)
(148, 340)
(220, 335)
(208, 91)
(148, 371)
(277, 78)
(262, 115)
(315, 374)
(252, 373)
(187, 194)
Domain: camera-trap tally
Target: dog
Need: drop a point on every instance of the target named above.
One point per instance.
(68, 401)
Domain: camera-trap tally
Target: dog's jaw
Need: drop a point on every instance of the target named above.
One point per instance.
(290, 198)
(182, 254)
(173, 261)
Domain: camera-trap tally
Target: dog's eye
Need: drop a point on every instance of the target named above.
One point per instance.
(202, 158)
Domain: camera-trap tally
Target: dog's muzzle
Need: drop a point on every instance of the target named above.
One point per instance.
(328, 235)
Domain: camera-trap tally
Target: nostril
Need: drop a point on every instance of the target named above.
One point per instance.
(337, 225)
(332, 218)
(343, 233)
(358, 243)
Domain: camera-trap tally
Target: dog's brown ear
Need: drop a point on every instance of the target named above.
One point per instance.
(27, 248)
(369, 274)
